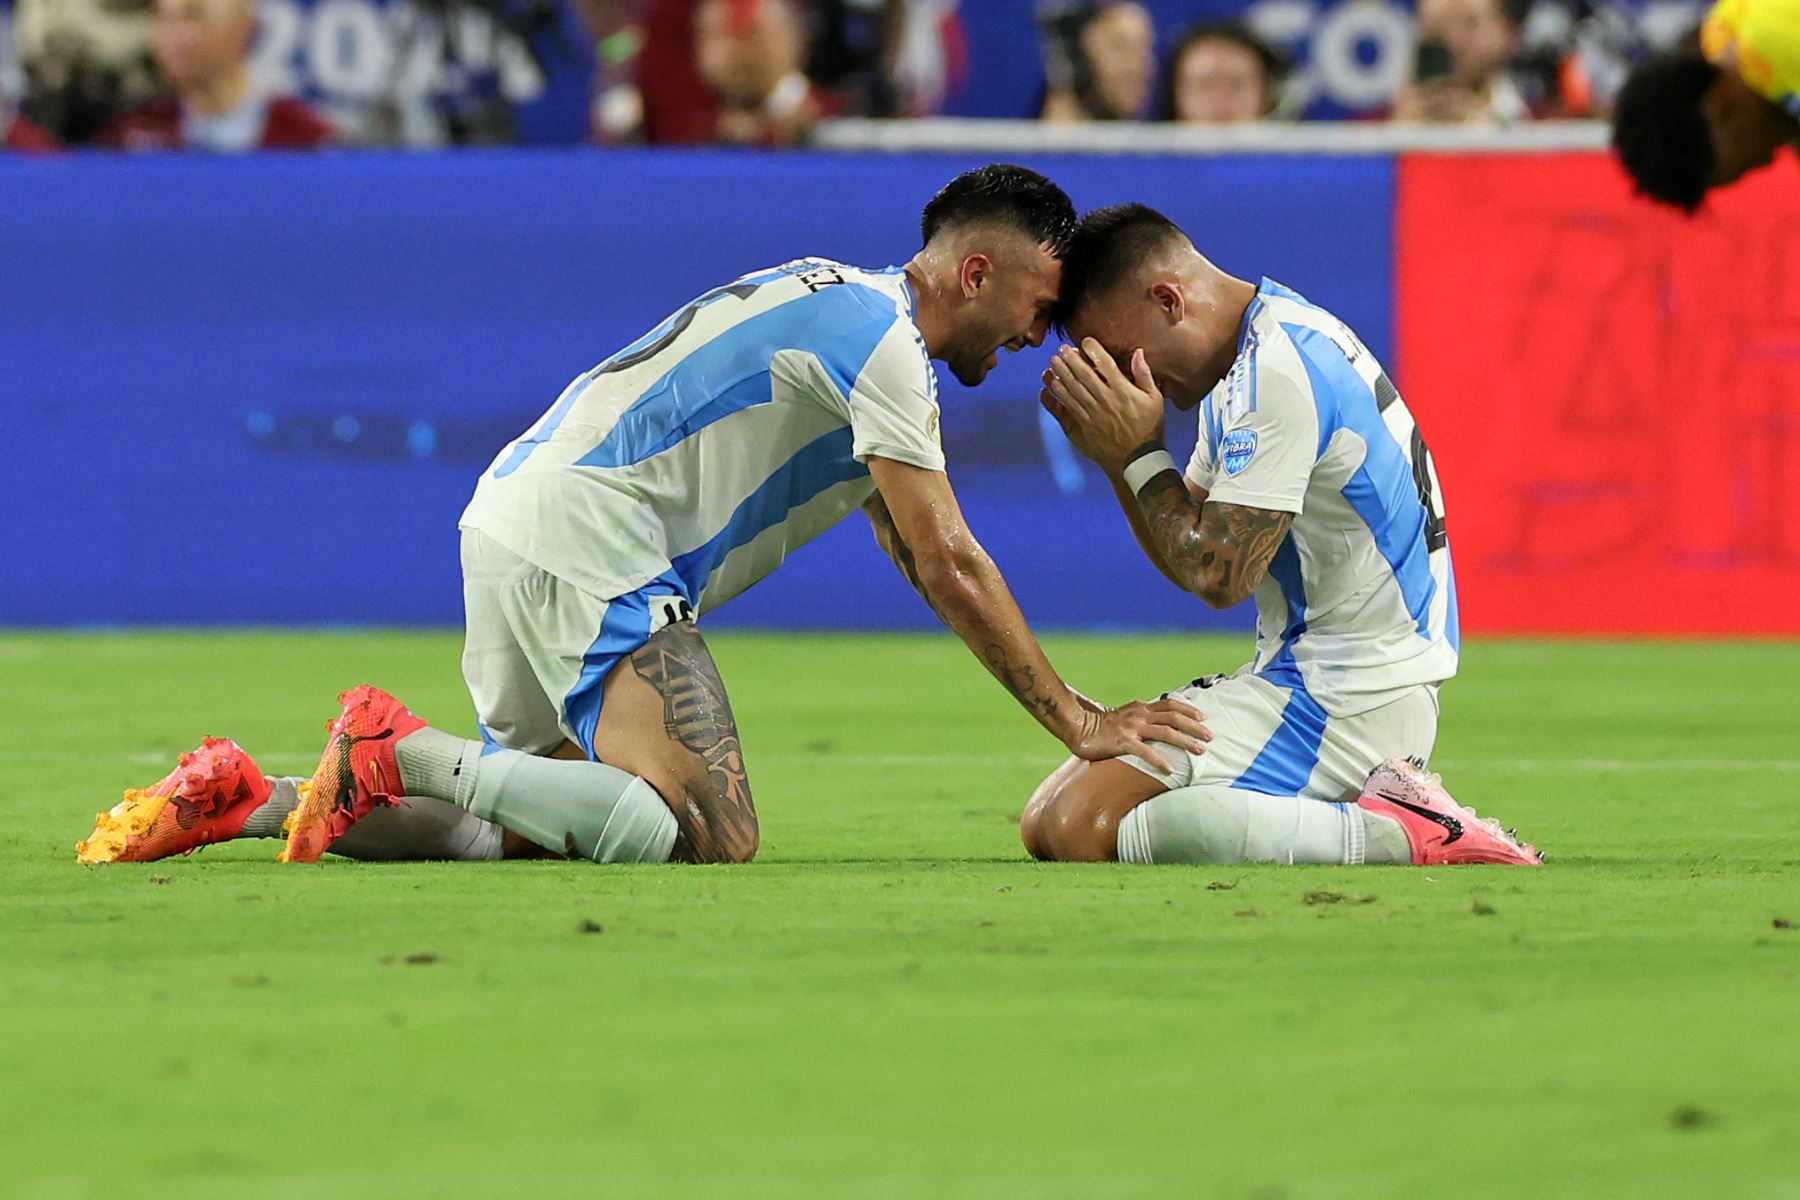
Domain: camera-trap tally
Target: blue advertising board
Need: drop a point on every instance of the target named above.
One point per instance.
(261, 390)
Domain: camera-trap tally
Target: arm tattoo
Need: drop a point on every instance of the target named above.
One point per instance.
(716, 819)
(1216, 550)
(1019, 679)
(882, 521)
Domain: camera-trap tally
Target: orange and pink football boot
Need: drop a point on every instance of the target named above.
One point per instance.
(1440, 831)
(205, 799)
(357, 774)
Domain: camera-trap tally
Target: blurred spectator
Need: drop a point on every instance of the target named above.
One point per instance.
(729, 71)
(1101, 63)
(1461, 68)
(678, 107)
(887, 58)
(726, 71)
(1221, 72)
(616, 106)
(855, 51)
(1574, 56)
(84, 61)
(18, 133)
(933, 58)
(749, 53)
(202, 49)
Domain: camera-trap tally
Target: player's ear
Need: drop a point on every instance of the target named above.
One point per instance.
(976, 269)
(1167, 295)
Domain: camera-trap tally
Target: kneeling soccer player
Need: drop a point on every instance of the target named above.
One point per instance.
(1310, 488)
(664, 482)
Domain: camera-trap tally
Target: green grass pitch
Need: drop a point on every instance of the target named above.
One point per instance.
(892, 1001)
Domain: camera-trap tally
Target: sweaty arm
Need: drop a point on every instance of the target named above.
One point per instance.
(941, 557)
(1216, 550)
(888, 538)
(1134, 516)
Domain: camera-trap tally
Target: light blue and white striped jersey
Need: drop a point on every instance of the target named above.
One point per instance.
(1360, 601)
(738, 429)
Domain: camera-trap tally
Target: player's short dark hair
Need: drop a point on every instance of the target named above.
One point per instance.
(1007, 195)
(1109, 243)
(1660, 132)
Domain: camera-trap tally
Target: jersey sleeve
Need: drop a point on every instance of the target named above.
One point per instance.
(1200, 463)
(1261, 436)
(892, 403)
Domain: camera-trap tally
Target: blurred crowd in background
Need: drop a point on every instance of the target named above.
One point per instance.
(242, 75)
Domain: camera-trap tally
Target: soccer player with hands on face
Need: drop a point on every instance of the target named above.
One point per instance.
(1311, 489)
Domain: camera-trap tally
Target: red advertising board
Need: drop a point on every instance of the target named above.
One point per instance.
(1611, 393)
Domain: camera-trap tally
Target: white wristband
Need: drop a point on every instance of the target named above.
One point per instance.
(1144, 468)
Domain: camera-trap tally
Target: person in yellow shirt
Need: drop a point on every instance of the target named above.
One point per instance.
(1707, 115)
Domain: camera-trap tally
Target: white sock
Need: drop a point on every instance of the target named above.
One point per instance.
(417, 829)
(580, 809)
(1386, 840)
(421, 829)
(432, 763)
(1211, 823)
(266, 821)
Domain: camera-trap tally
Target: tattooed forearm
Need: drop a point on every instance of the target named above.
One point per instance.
(716, 820)
(1020, 679)
(1218, 551)
(917, 520)
(1134, 516)
(888, 537)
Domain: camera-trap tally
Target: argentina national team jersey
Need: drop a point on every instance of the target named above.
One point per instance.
(700, 455)
(1359, 603)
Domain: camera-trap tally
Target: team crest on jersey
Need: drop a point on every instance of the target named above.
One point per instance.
(1236, 450)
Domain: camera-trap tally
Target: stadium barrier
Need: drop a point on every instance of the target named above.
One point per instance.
(252, 363)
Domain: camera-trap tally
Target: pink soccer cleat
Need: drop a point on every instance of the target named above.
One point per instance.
(357, 774)
(205, 799)
(1440, 831)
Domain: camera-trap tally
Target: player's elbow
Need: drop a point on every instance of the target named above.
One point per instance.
(951, 577)
(1223, 589)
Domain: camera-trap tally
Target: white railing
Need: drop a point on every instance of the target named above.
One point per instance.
(1111, 137)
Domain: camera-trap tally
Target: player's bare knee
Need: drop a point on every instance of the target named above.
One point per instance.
(1032, 821)
(1067, 821)
(743, 840)
(717, 819)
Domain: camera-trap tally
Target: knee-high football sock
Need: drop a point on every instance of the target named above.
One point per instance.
(584, 809)
(1210, 823)
(417, 829)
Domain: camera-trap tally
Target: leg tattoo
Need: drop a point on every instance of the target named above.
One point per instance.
(716, 818)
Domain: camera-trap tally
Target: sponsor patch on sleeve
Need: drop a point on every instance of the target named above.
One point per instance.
(1236, 449)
